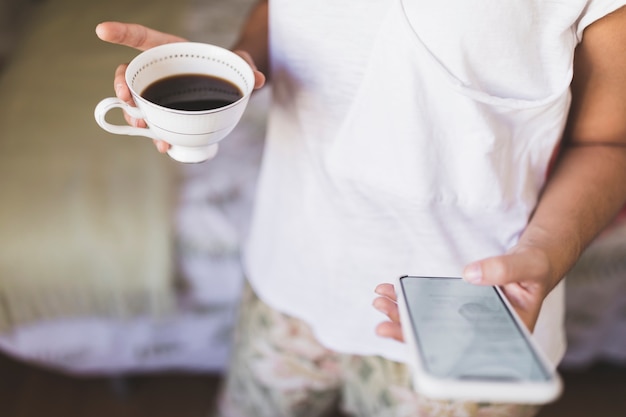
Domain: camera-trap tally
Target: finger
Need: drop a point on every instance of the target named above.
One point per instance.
(119, 84)
(134, 122)
(386, 290)
(520, 266)
(390, 330)
(134, 35)
(259, 77)
(525, 304)
(161, 146)
(387, 307)
(123, 93)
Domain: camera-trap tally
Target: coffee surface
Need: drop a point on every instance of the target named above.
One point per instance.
(192, 92)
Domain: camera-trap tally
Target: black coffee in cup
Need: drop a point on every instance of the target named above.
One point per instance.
(192, 92)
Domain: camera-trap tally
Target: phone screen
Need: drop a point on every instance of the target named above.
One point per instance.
(465, 331)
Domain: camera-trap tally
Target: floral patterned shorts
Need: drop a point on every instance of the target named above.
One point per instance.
(278, 369)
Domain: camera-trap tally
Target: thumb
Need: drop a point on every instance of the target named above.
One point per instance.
(514, 267)
(523, 275)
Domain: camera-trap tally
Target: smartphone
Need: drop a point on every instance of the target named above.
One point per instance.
(467, 343)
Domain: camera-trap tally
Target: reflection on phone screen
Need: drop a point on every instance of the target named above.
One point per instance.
(465, 331)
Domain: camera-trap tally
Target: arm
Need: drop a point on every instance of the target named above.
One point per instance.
(586, 189)
(583, 193)
(253, 38)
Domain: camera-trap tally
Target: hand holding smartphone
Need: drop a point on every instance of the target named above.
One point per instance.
(466, 342)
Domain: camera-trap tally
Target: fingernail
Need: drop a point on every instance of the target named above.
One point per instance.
(473, 273)
(119, 88)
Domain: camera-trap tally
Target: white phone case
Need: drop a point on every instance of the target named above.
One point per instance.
(522, 392)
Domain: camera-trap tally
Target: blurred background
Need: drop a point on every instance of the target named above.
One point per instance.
(119, 270)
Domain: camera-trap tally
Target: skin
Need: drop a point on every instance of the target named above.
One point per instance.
(252, 47)
(583, 194)
(590, 167)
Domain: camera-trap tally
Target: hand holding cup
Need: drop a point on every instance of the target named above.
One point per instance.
(190, 95)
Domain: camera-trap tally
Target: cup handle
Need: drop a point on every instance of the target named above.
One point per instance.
(111, 103)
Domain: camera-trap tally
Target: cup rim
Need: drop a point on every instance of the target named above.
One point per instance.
(175, 47)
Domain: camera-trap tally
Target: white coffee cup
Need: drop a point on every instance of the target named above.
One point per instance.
(193, 135)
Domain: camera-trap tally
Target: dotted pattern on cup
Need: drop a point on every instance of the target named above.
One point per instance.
(192, 56)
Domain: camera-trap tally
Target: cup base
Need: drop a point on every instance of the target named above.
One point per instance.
(192, 155)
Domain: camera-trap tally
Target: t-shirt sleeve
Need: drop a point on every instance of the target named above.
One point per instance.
(594, 10)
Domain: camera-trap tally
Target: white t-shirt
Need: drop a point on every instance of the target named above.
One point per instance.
(405, 137)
